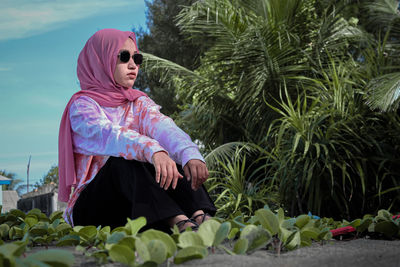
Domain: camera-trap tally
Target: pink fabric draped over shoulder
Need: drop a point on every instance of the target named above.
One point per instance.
(96, 65)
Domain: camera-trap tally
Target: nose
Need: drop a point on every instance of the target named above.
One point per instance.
(131, 64)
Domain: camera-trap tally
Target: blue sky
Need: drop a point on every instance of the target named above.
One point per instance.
(40, 41)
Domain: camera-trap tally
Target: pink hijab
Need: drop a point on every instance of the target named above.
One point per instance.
(96, 65)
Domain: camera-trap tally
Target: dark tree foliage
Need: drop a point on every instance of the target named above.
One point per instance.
(164, 40)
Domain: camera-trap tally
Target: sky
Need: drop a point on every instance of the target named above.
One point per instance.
(40, 41)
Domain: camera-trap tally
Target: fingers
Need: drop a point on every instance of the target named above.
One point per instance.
(177, 176)
(193, 171)
(186, 170)
(164, 174)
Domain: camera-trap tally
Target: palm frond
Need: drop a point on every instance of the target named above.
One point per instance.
(384, 92)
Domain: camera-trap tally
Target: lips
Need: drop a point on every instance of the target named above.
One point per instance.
(132, 75)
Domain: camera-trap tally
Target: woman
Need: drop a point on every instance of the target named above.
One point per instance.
(119, 153)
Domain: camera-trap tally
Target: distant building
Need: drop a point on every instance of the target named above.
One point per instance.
(10, 200)
(3, 180)
(44, 198)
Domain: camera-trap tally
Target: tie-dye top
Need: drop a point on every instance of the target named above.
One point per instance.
(135, 131)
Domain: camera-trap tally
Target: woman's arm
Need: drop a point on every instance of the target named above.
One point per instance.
(178, 144)
(163, 129)
(95, 134)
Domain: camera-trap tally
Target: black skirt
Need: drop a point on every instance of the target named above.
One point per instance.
(127, 189)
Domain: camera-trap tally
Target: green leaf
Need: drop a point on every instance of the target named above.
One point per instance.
(384, 215)
(128, 241)
(233, 232)
(17, 213)
(268, 220)
(257, 237)
(122, 254)
(152, 234)
(12, 250)
(241, 246)
(364, 224)
(388, 228)
(222, 233)
(188, 239)
(63, 228)
(207, 231)
(69, 240)
(142, 250)
(190, 253)
(157, 250)
(135, 225)
(115, 237)
(56, 215)
(54, 257)
(293, 241)
(302, 220)
(88, 232)
(4, 228)
(31, 220)
(309, 233)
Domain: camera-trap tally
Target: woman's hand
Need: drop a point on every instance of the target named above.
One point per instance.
(165, 169)
(196, 170)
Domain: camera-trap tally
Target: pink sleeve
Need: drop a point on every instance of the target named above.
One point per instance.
(95, 134)
(163, 129)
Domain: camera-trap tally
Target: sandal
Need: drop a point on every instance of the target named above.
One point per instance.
(201, 214)
(195, 226)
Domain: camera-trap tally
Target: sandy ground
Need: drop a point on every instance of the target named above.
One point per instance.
(358, 252)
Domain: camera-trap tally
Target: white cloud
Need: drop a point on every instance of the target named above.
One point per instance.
(4, 69)
(24, 18)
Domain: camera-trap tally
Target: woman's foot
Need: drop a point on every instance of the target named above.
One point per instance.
(183, 222)
(199, 217)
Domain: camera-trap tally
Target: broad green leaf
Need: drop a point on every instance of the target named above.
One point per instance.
(122, 254)
(128, 241)
(309, 233)
(190, 253)
(17, 213)
(88, 232)
(115, 237)
(384, 215)
(135, 225)
(233, 232)
(31, 220)
(56, 215)
(222, 233)
(207, 231)
(241, 246)
(30, 262)
(281, 216)
(12, 250)
(364, 224)
(157, 250)
(69, 240)
(63, 228)
(389, 229)
(142, 250)
(355, 223)
(293, 241)
(268, 220)
(189, 239)
(39, 229)
(302, 220)
(54, 257)
(152, 234)
(325, 234)
(4, 228)
(257, 237)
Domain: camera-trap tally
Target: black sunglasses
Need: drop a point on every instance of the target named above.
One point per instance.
(124, 56)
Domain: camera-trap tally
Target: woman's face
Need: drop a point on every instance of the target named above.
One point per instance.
(125, 73)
